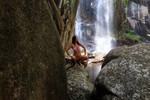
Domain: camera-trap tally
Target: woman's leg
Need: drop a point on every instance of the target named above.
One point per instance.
(73, 58)
(82, 58)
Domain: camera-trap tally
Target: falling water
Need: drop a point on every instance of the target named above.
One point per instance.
(100, 37)
(84, 30)
(78, 22)
(104, 26)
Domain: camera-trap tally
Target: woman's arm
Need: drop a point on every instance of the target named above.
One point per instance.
(83, 48)
(67, 50)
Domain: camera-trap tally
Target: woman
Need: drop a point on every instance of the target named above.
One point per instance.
(75, 46)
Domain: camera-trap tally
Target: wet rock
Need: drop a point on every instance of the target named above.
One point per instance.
(125, 74)
(79, 85)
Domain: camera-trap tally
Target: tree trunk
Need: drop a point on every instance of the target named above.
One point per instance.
(119, 14)
(68, 33)
(65, 19)
(58, 20)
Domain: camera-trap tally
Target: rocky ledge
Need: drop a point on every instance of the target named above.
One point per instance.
(79, 85)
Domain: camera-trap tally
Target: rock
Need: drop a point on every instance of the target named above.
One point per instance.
(127, 41)
(70, 63)
(31, 55)
(125, 74)
(79, 85)
(138, 16)
(125, 50)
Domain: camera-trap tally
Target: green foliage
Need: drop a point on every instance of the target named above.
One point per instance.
(115, 3)
(126, 2)
(130, 34)
(71, 3)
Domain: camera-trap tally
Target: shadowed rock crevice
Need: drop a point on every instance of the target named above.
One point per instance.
(108, 59)
(102, 93)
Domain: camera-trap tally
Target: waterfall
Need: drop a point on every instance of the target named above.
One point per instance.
(104, 26)
(78, 22)
(85, 30)
(97, 35)
(94, 29)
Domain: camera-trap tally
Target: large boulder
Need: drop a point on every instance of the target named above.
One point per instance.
(31, 55)
(79, 85)
(125, 74)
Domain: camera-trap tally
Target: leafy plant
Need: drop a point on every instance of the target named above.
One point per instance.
(130, 34)
(126, 2)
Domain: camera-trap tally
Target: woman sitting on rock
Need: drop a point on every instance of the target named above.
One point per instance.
(75, 46)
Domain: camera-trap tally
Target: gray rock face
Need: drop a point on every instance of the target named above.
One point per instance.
(125, 74)
(79, 86)
(31, 55)
(137, 12)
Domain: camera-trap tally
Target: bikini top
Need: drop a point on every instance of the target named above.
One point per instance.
(75, 48)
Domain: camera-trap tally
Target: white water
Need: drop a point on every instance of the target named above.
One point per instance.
(78, 31)
(81, 32)
(102, 41)
(104, 26)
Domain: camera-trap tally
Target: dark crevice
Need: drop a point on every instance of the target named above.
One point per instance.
(108, 60)
(101, 92)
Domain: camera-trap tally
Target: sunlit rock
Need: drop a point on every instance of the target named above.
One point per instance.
(125, 74)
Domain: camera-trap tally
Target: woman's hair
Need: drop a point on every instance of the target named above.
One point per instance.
(74, 40)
